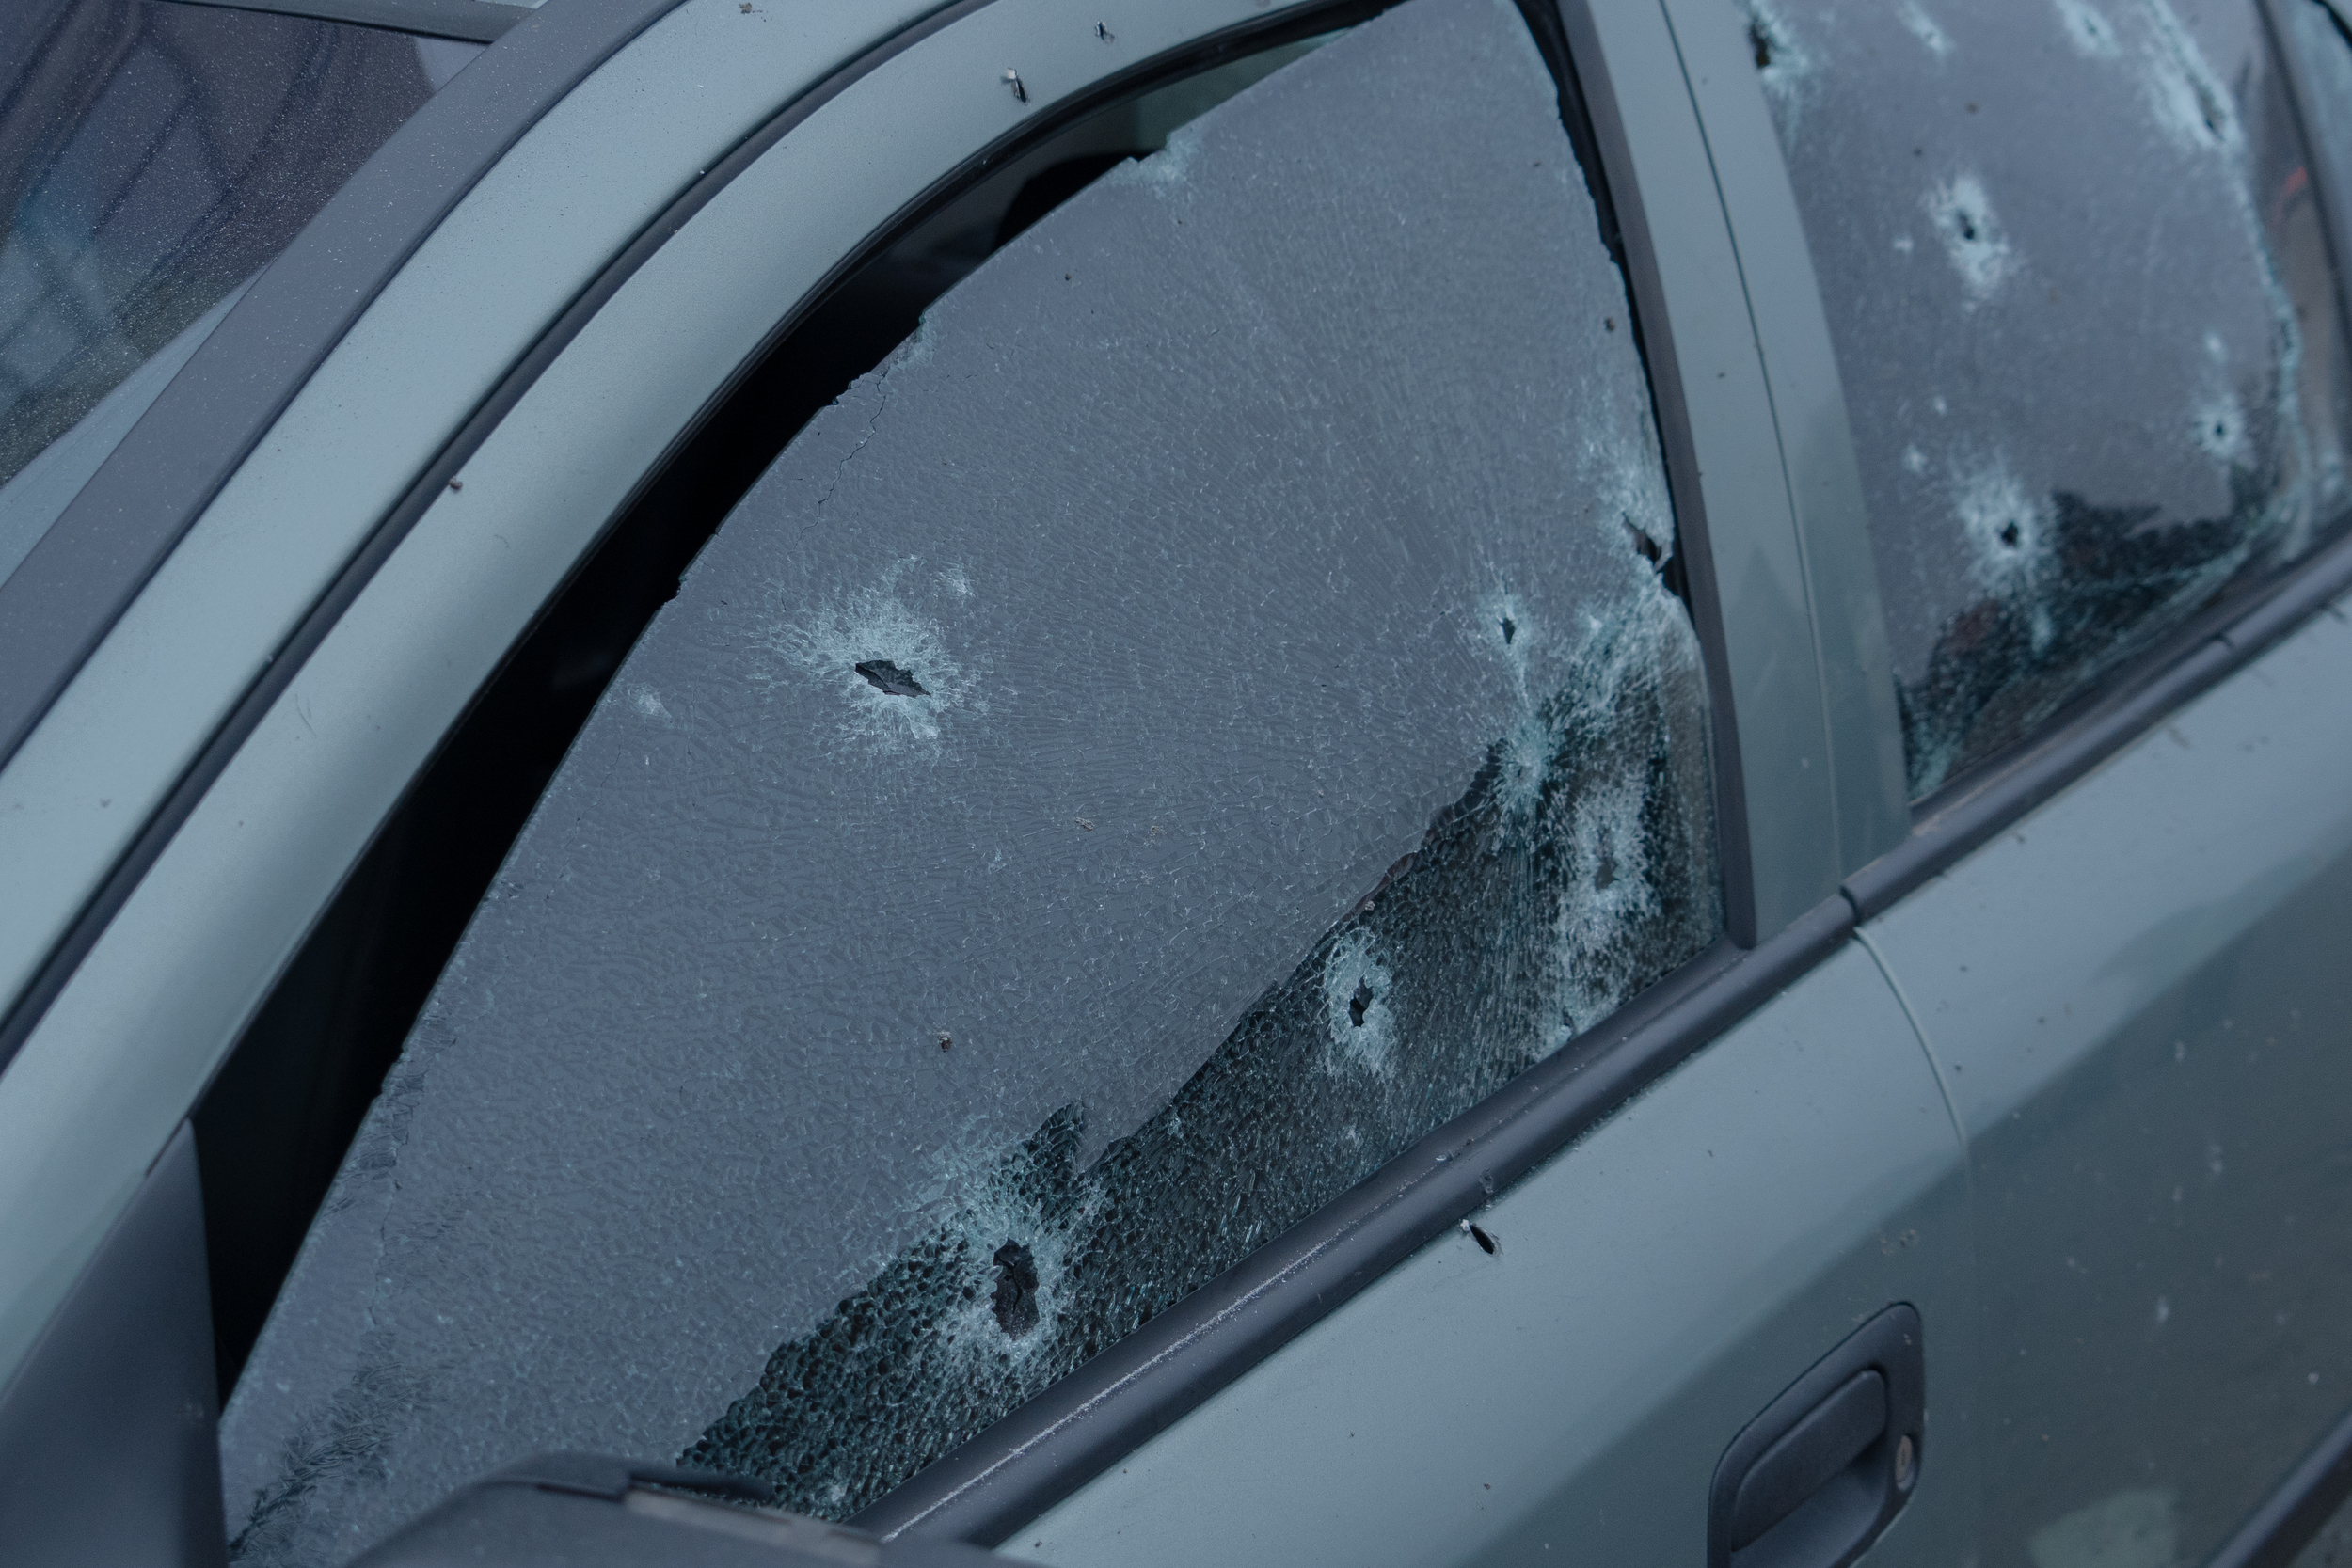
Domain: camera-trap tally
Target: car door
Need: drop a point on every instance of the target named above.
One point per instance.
(2117, 918)
(1117, 1244)
(1638, 838)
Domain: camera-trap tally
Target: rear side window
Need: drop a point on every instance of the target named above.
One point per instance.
(2080, 295)
(153, 158)
(1207, 710)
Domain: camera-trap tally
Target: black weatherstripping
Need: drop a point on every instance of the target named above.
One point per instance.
(470, 21)
(986, 1490)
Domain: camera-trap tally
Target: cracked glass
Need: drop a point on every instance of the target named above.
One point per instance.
(1205, 711)
(2080, 293)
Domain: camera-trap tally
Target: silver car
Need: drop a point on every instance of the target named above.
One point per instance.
(1383, 782)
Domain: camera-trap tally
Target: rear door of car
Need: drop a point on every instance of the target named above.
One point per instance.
(2081, 273)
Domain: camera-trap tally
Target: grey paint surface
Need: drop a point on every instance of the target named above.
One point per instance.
(1808, 410)
(1702, 350)
(1566, 1400)
(131, 1040)
(1212, 571)
(2140, 1000)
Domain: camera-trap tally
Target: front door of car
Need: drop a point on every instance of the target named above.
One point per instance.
(1169, 807)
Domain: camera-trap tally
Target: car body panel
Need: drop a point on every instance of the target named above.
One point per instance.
(2138, 1001)
(1567, 1399)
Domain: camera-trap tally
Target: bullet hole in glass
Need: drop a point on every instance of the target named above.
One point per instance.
(1487, 1243)
(1357, 1004)
(1760, 45)
(2010, 535)
(889, 680)
(1649, 549)
(1510, 629)
(1015, 1302)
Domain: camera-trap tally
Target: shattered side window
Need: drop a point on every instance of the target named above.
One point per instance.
(1206, 711)
(2080, 290)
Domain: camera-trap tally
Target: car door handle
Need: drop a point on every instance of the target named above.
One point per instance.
(1815, 1478)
